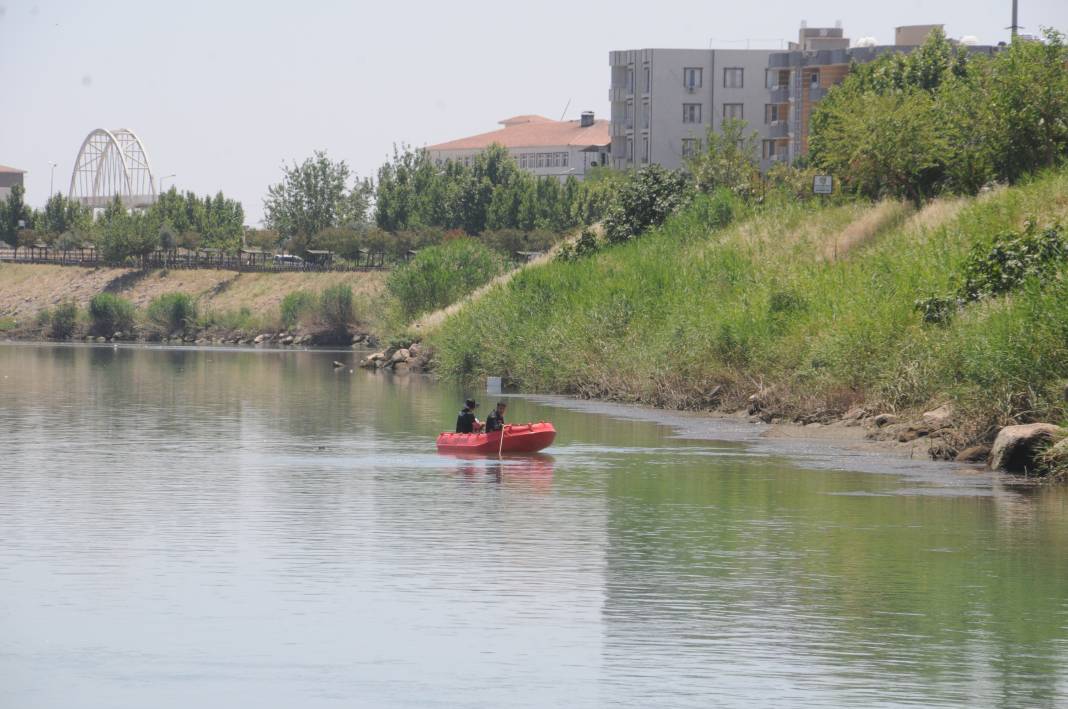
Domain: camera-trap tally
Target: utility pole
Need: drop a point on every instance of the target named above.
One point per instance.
(51, 179)
(1015, 27)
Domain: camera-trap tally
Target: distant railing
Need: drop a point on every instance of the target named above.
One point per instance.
(196, 259)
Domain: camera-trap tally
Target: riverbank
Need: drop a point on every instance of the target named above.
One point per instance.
(233, 307)
(847, 314)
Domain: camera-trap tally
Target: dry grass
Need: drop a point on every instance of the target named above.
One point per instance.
(26, 289)
(864, 229)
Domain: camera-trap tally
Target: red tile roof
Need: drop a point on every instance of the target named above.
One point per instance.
(534, 132)
(15, 170)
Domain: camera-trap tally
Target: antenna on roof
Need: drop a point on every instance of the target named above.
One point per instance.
(566, 106)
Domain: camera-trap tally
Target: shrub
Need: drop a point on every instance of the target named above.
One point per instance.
(441, 275)
(992, 269)
(63, 319)
(643, 201)
(110, 314)
(335, 307)
(172, 311)
(296, 305)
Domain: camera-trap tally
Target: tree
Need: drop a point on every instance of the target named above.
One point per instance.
(644, 200)
(14, 215)
(124, 235)
(62, 215)
(313, 196)
(729, 159)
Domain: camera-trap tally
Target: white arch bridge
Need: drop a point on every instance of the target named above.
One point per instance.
(110, 163)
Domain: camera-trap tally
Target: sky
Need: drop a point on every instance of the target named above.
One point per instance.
(224, 93)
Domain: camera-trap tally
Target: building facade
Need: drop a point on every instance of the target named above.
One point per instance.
(9, 177)
(540, 145)
(665, 100)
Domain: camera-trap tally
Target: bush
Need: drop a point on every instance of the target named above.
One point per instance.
(296, 305)
(110, 314)
(335, 308)
(172, 311)
(1012, 258)
(440, 275)
(63, 319)
(644, 201)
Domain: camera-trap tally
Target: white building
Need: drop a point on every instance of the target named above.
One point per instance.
(540, 145)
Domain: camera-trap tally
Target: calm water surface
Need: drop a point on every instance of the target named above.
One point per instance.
(191, 528)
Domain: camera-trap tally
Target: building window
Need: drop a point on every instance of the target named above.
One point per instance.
(645, 115)
(733, 78)
(814, 79)
(628, 115)
(630, 149)
(690, 147)
(563, 159)
(772, 150)
(733, 110)
(648, 79)
(541, 159)
(692, 77)
(691, 113)
(776, 112)
(778, 78)
(645, 149)
(630, 79)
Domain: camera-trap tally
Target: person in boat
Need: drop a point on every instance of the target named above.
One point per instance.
(495, 421)
(466, 421)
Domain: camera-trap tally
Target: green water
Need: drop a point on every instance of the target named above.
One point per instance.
(221, 528)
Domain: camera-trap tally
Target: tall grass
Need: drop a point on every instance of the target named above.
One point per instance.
(336, 308)
(691, 315)
(172, 311)
(440, 275)
(108, 314)
(297, 305)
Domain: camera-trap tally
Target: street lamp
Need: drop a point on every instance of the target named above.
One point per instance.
(52, 179)
(164, 178)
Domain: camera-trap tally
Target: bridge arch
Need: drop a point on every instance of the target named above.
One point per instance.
(110, 163)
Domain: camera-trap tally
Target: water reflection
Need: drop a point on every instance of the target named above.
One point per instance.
(177, 523)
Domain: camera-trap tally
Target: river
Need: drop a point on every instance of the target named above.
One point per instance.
(192, 527)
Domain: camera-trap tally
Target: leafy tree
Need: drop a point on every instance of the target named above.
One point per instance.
(13, 210)
(314, 196)
(62, 215)
(644, 200)
(123, 235)
(729, 159)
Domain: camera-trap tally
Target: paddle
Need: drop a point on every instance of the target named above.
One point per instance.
(500, 448)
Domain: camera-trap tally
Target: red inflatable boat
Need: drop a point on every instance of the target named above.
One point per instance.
(518, 438)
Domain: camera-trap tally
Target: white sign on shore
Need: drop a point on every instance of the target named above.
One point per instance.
(823, 184)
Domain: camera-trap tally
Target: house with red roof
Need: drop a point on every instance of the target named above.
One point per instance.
(540, 145)
(9, 177)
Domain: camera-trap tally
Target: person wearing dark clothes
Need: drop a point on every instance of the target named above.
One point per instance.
(466, 421)
(495, 421)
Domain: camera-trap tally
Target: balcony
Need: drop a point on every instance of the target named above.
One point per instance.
(780, 94)
(619, 93)
(780, 60)
(815, 93)
(779, 129)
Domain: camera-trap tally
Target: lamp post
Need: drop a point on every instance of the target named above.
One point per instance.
(52, 179)
(164, 178)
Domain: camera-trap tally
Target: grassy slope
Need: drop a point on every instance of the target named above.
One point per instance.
(813, 307)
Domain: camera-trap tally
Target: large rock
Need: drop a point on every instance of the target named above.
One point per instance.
(415, 349)
(939, 418)
(885, 420)
(259, 339)
(1016, 448)
(401, 355)
(973, 454)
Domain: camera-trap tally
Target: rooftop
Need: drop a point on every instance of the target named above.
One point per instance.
(533, 132)
(13, 170)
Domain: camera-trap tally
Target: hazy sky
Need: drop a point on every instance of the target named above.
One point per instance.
(222, 93)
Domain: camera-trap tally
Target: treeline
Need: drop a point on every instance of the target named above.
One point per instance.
(175, 220)
(417, 203)
(943, 120)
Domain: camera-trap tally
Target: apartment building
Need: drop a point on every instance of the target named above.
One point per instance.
(540, 145)
(665, 100)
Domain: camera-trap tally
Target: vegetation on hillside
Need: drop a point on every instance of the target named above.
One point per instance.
(697, 315)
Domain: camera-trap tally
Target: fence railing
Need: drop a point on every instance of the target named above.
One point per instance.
(241, 261)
